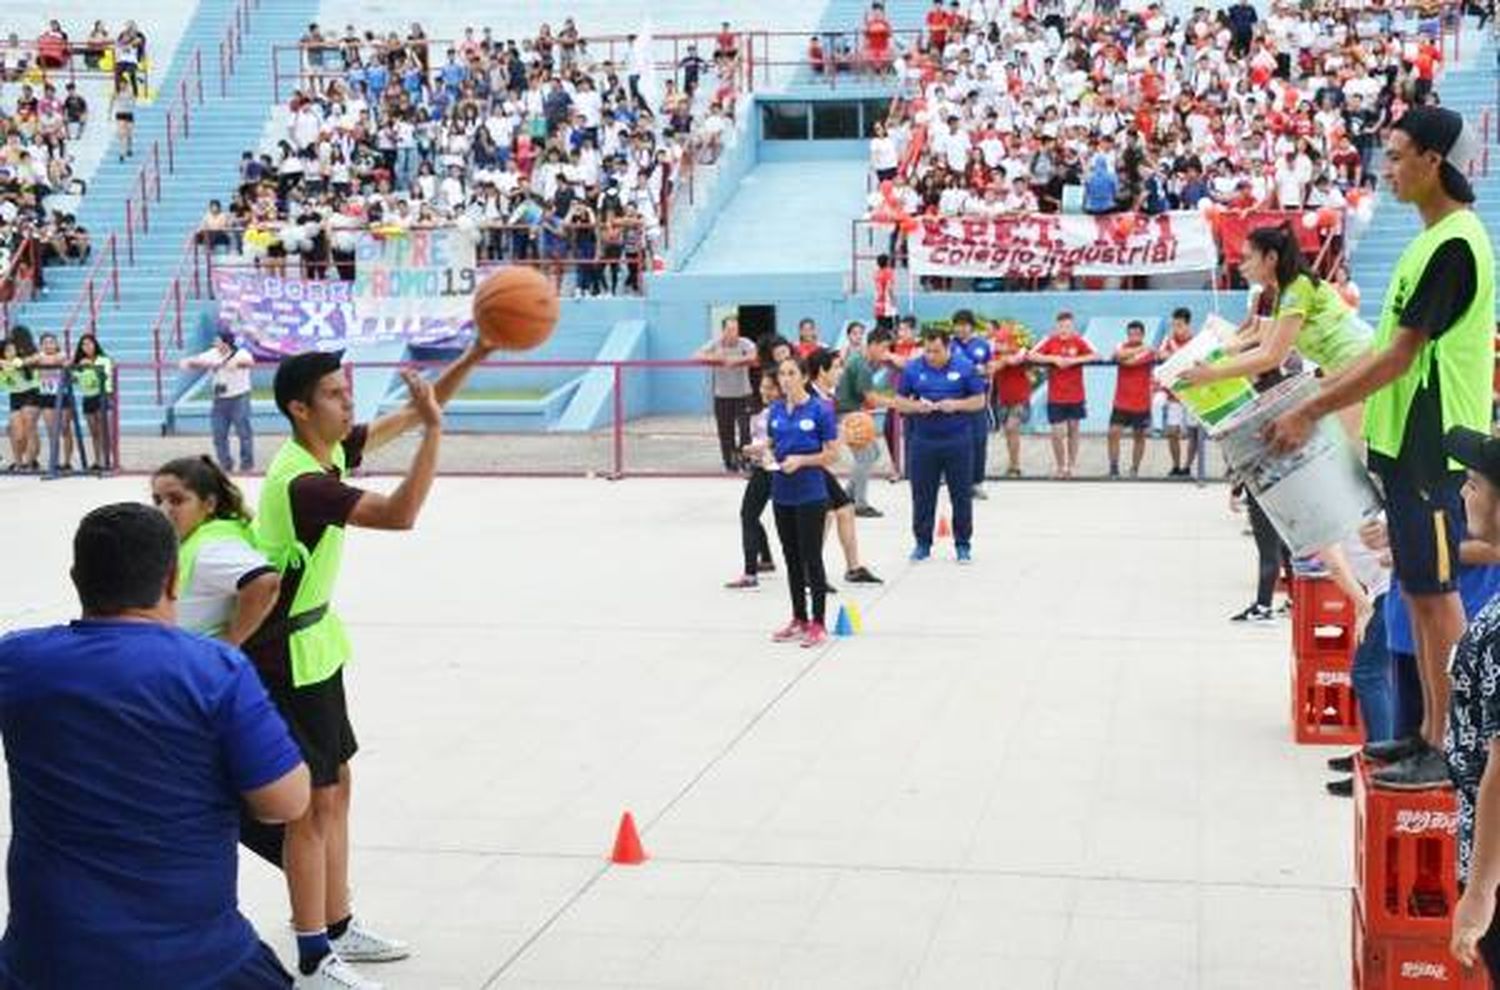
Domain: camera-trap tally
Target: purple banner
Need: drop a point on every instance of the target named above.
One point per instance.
(280, 316)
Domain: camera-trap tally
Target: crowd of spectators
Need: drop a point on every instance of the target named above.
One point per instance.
(559, 157)
(1082, 106)
(40, 117)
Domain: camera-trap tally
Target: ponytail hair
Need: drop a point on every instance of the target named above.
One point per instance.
(204, 478)
(1290, 262)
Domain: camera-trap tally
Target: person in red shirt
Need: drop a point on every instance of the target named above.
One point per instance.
(1012, 393)
(815, 55)
(877, 38)
(1425, 65)
(1176, 419)
(1134, 359)
(885, 294)
(937, 27)
(1066, 352)
(807, 338)
(906, 346)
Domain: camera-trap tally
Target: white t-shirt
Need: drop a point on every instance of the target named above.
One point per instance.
(223, 567)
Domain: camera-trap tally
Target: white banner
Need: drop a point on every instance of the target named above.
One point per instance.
(1044, 245)
(403, 276)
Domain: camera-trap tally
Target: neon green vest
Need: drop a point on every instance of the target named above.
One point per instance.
(96, 378)
(316, 639)
(1464, 355)
(211, 531)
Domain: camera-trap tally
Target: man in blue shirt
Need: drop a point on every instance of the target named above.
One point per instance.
(941, 391)
(131, 746)
(979, 352)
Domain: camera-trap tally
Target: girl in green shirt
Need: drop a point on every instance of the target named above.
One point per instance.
(25, 387)
(1307, 313)
(93, 377)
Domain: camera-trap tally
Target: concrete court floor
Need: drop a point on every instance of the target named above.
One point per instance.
(1059, 768)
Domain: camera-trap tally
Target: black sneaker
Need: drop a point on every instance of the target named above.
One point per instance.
(867, 512)
(1341, 788)
(766, 567)
(1342, 764)
(862, 575)
(1255, 613)
(1420, 772)
(1394, 750)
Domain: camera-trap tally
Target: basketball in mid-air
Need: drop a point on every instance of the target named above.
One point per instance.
(515, 308)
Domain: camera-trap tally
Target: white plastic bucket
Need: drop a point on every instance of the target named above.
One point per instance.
(1316, 495)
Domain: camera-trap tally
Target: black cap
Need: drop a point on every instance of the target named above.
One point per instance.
(297, 374)
(1442, 130)
(1475, 450)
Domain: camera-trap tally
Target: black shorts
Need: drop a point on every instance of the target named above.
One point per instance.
(318, 717)
(1130, 420)
(127, 117)
(1065, 412)
(1426, 524)
(92, 404)
(19, 401)
(837, 497)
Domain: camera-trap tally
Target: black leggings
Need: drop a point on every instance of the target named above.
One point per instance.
(801, 530)
(1272, 554)
(752, 534)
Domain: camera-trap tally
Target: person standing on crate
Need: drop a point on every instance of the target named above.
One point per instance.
(1472, 738)
(231, 366)
(1429, 372)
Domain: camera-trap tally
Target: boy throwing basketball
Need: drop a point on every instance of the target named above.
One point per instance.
(301, 649)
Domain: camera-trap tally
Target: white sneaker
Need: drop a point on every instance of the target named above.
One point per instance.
(359, 944)
(334, 974)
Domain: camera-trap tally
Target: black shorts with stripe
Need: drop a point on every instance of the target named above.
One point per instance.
(318, 717)
(1426, 523)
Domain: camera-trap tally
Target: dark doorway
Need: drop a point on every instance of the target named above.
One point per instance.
(757, 322)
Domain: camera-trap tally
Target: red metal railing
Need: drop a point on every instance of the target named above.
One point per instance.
(97, 285)
(186, 283)
(668, 52)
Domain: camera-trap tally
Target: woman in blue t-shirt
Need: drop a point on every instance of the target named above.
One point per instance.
(802, 432)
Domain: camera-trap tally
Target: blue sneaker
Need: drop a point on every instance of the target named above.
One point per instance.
(965, 556)
(921, 551)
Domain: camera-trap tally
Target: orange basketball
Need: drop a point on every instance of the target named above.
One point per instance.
(515, 309)
(858, 430)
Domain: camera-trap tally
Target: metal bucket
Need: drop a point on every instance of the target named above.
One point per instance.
(1316, 495)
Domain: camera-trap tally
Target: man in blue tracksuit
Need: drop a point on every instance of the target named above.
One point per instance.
(979, 352)
(941, 392)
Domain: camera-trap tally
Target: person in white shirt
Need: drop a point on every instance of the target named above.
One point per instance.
(883, 155)
(225, 587)
(230, 365)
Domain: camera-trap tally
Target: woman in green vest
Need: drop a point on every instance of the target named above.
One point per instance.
(25, 386)
(93, 377)
(1307, 313)
(225, 586)
(13, 379)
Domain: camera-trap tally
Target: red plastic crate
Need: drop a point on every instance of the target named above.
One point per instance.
(1323, 707)
(1395, 963)
(1405, 858)
(1322, 618)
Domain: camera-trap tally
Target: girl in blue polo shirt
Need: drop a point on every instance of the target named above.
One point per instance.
(802, 431)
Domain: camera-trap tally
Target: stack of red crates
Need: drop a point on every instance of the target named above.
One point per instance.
(1323, 641)
(1405, 889)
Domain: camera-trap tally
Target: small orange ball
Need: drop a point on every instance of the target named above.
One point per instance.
(857, 430)
(515, 309)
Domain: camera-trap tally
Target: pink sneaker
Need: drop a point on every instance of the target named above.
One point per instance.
(793, 630)
(814, 635)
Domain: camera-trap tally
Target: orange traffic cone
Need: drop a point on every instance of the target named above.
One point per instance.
(944, 530)
(628, 851)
